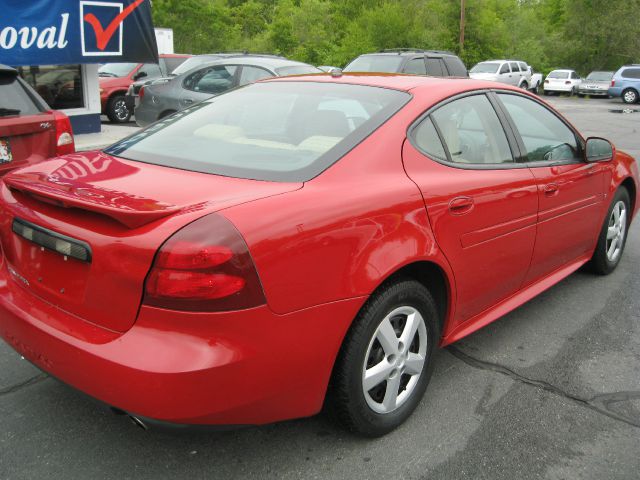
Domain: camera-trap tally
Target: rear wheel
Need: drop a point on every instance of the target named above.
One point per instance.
(613, 235)
(385, 363)
(524, 86)
(629, 96)
(117, 110)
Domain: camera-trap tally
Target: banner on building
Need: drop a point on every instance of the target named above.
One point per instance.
(56, 32)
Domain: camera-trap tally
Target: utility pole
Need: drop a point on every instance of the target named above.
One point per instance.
(461, 25)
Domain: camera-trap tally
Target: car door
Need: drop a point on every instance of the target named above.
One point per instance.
(516, 74)
(570, 190)
(206, 82)
(482, 203)
(504, 74)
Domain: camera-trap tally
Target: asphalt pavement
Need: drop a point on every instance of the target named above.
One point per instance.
(550, 391)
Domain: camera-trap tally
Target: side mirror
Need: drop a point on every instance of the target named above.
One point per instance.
(598, 150)
(139, 75)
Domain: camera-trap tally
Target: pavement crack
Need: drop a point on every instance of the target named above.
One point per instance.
(600, 403)
(18, 386)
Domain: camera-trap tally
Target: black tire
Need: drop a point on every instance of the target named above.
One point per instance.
(524, 86)
(581, 95)
(117, 110)
(346, 399)
(601, 263)
(630, 96)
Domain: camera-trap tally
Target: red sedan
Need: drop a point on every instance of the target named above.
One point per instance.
(300, 242)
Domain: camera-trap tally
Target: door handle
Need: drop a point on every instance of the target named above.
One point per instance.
(460, 205)
(551, 189)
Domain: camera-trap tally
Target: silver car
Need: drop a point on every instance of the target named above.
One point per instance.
(205, 81)
(596, 84)
(511, 72)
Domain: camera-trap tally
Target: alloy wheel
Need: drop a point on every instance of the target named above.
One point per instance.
(121, 110)
(630, 96)
(394, 360)
(616, 231)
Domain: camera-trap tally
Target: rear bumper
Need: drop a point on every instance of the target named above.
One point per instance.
(593, 91)
(557, 88)
(615, 91)
(241, 368)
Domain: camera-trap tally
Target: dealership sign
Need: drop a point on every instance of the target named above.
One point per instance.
(46, 32)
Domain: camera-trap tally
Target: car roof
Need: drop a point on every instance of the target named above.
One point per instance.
(503, 60)
(408, 51)
(562, 70)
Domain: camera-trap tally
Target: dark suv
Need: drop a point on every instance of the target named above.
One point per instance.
(436, 63)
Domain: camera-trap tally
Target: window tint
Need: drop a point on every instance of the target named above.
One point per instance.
(279, 131)
(472, 132)
(253, 74)
(212, 80)
(557, 74)
(631, 73)
(435, 67)
(504, 68)
(487, 67)
(415, 66)
(574, 75)
(514, 67)
(544, 135)
(14, 99)
(171, 63)
(523, 66)
(427, 139)
(455, 66)
(151, 69)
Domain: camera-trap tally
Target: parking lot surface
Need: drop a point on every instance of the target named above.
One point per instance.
(551, 391)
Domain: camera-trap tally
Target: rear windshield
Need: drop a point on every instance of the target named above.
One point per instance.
(14, 99)
(278, 131)
(600, 76)
(485, 67)
(558, 75)
(173, 62)
(375, 63)
(297, 70)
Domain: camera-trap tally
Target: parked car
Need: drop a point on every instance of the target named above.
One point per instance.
(30, 131)
(115, 79)
(328, 68)
(509, 72)
(626, 84)
(536, 82)
(132, 99)
(162, 99)
(596, 84)
(562, 81)
(436, 63)
(328, 234)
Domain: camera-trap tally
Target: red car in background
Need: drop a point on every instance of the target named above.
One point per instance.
(115, 79)
(30, 131)
(301, 242)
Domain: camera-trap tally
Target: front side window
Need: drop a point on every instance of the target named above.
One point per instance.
(59, 85)
(472, 132)
(253, 74)
(415, 66)
(277, 131)
(213, 80)
(545, 136)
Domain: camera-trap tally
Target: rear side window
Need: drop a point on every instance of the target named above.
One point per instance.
(277, 131)
(212, 80)
(523, 66)
(514, 67)
(504, 68)
(472, 132)
(426, 139)
(455, 66)
(171, 63)
(416, 66)
(435, 67)
(631, 73)
(545, 136)
(14, 98)
(253, 74)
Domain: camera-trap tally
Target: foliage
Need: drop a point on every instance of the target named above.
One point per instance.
(581, 34)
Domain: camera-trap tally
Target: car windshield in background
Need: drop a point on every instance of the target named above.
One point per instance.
(375, 63)
(116, 69)
(558, 75)
(297, 70)
(288, 131)
(600, 76)
(485, 67)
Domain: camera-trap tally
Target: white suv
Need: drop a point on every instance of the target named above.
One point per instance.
(511, 72)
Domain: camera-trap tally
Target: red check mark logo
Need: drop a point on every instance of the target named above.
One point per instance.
(104, 35)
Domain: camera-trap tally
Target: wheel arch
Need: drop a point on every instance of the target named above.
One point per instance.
(630, 185)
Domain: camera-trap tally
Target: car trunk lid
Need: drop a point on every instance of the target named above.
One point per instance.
(26, 140)
(120, 211)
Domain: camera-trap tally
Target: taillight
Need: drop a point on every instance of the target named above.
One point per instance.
(64, 134)
(205, 267)
(141, 93)
(613, 83)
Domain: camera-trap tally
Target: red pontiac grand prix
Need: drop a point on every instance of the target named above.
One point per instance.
(300, 242)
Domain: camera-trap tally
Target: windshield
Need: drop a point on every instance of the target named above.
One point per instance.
(600, 76)
(485, 67)
(193, 62)
(278, 131)
(375, 63)
(116, 69)
(556, 74)
(297, 70)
